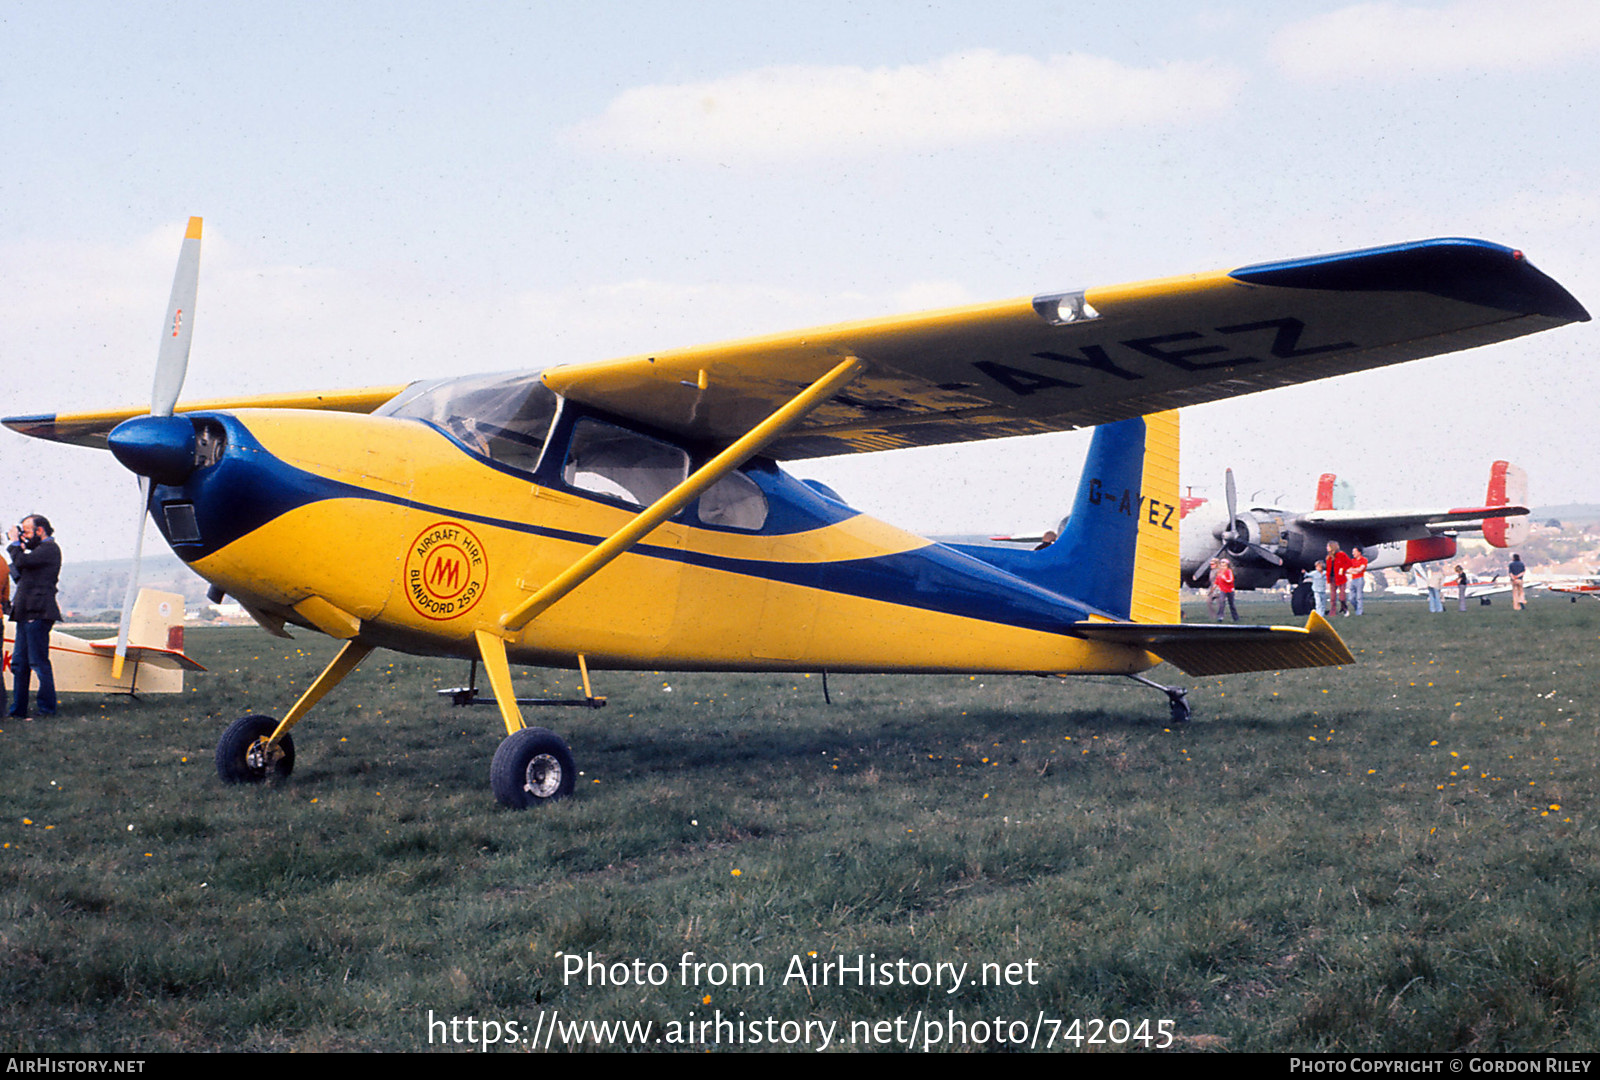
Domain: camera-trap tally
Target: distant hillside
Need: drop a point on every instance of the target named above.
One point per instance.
(1568, 513)
(98, 585)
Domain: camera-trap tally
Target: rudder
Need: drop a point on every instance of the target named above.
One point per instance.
(1119, 550)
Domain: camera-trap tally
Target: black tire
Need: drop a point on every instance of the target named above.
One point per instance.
(1302, 601)
(237, 761)
(530, 767)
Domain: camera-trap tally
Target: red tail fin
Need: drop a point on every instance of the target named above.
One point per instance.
(1508, 484)
(1325, 491)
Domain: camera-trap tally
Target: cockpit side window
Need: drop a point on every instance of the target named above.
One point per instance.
(505, 418)
(622, 464)
(734, 502)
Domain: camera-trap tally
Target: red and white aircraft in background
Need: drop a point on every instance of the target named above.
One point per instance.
(1575, 587)
(1267, 544)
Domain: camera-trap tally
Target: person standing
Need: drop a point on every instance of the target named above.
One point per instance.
(1461, 586)
(36, 562)
(1436, 588)
(1357, 572)
(1225, 589)
(1338, 567)
(1519, 598)
(1319, 587)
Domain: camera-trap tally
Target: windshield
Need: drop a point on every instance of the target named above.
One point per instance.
(505, 418)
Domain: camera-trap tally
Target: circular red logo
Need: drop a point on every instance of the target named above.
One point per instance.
(446, 570)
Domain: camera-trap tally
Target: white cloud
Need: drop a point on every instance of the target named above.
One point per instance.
(1394, 41)
(795, 111)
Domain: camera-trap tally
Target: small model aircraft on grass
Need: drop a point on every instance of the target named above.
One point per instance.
(632, 513)
(155, 657)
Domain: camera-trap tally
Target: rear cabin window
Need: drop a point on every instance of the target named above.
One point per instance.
(622, 464)
(734, 502)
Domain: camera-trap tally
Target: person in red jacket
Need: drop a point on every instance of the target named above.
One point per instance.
(1338, 578)
(1225, 589)
(1358, 579)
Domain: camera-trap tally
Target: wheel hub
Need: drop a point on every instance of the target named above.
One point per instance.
(543, 776)
(262, 756)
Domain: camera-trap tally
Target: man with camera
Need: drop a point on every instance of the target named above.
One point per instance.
(36, 566)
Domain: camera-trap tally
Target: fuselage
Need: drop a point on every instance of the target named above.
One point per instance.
(414, 531)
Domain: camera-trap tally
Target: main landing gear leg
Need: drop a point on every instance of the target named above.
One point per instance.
(254, 748)
(533, 765)
(1177, 697)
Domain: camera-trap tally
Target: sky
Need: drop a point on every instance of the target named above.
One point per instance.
(394, 191)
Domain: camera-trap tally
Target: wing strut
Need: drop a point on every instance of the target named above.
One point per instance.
(750, 444)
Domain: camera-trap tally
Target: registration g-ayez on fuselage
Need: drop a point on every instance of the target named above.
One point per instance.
(633, 513)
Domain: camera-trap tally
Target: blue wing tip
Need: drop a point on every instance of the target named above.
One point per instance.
(29, 421)
(1458, 268)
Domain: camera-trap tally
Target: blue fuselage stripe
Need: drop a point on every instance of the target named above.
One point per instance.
(251, 487)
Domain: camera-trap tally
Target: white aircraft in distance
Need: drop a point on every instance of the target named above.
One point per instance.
(1575, 587)
(1478, 587)
(156, 660)
(1267, 544)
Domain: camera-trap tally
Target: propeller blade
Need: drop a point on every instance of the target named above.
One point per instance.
(1205, 568)
(1266, 554)
(133, 581)
(172, 362)
(1233, 500)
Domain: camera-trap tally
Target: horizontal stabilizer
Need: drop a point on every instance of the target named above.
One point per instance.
(1363, 519)
(1208, 649)
(171, 659)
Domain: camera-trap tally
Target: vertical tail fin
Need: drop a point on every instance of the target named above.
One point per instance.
(1508, 485)
(1119, 549)
(157, 620)
(1325, 491)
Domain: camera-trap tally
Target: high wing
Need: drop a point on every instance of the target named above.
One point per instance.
(1385, 527)
(1064, 360)
(1051, 362)
(91, 428)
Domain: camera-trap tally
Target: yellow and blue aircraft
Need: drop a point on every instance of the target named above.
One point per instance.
(632, 514)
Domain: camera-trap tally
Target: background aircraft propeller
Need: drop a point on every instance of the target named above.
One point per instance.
(172, 363)
(1235, 536)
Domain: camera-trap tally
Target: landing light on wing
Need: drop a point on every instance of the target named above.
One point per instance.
(1063, 308)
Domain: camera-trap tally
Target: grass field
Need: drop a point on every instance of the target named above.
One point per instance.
(1396, 856)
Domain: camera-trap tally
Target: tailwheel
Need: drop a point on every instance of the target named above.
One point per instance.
(1179, 701)
(1177, 698)
(243, 756)
(532, 766)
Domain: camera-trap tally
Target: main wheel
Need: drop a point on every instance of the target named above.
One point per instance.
(532, 766)
(243, 756)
